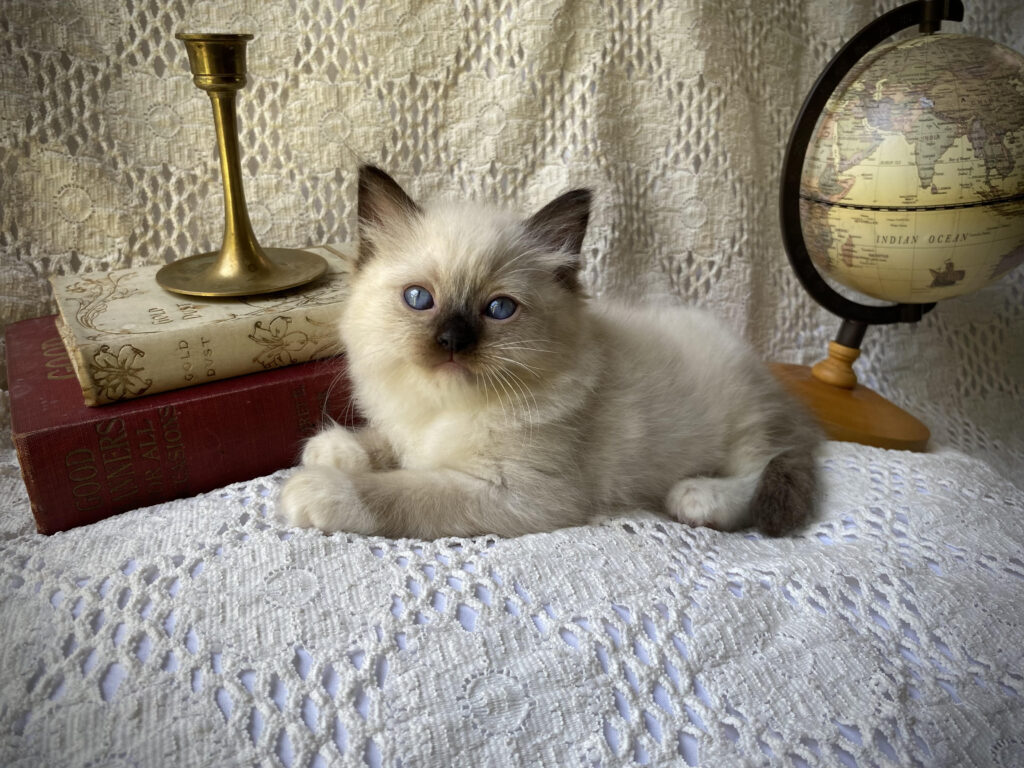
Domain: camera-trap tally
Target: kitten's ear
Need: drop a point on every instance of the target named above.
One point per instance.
(560, 226)
(381, 202)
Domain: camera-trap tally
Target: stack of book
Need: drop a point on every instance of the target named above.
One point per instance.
(132, 395)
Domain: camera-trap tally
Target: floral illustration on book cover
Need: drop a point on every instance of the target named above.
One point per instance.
(115, 373)
(132, 338)
(283, 346)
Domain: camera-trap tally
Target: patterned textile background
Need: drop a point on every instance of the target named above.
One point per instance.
(202, 632)
(675, 112)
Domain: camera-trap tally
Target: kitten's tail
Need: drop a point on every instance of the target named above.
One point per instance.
(787, 493)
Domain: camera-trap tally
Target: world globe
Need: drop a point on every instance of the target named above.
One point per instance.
(912, 188)
(903, 180)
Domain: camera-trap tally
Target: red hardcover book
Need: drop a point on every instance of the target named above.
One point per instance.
(82, 464)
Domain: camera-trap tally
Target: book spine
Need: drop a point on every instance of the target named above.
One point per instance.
(110, 371)
(89, 464)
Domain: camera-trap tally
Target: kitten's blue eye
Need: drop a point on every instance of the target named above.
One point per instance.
(418, 297)
(501, 308)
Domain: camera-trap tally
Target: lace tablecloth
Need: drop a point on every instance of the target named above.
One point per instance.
(201, 632)
(204, 633)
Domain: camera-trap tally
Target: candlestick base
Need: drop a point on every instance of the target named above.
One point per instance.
(207, 274)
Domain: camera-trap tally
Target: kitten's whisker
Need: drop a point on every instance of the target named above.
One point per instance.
(492, 379)
(525, 271)
(348, 415)
(547, 343)
(510, 361)
(487, 398)
(525, 395)
(527, 398)
(498, 379)
(525, 253)
(515, 389)
(521, 347)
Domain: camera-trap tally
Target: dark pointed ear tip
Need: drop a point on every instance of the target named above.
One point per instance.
(580, 196)
(367, 171)
(575, 201)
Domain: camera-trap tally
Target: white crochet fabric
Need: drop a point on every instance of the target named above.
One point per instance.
(204, 633)
(201, 632)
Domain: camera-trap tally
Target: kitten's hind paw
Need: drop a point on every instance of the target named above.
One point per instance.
(336, 447)
(323, 497)
(712, 502)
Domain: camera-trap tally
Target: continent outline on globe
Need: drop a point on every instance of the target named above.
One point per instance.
(913, 185)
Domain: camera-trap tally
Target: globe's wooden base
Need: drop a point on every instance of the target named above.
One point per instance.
(856, 414)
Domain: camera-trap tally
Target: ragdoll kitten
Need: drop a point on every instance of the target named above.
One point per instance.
(499, 399)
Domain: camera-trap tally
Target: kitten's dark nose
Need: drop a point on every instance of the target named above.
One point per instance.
(456, 334)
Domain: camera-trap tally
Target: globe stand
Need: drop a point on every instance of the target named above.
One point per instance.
(847, 410)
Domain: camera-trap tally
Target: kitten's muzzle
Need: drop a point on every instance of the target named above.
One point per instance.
(457, 334)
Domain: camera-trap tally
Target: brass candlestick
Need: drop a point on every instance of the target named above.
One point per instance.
(241, 267)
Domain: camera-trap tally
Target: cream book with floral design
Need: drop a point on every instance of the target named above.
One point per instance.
(127, 337)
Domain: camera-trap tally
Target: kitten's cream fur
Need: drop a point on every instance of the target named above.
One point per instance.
(569, 409)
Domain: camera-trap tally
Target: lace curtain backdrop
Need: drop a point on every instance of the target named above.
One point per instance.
(202, 632)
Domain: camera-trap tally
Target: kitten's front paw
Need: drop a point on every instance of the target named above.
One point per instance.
(716, 503)
(322, 497)
(336, 447)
